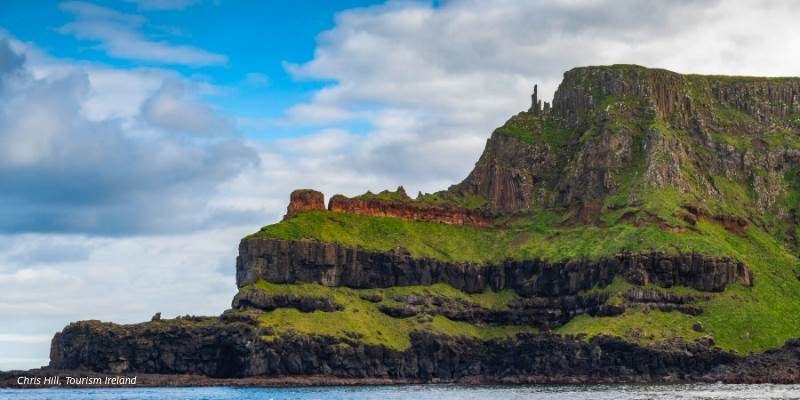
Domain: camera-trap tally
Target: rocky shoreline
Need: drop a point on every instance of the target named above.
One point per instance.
(777, 366)
(233, 352)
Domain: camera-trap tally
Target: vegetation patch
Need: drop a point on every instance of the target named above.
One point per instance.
(362, 321)
(536, 129)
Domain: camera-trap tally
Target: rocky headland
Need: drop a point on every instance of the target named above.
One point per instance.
(642, 228)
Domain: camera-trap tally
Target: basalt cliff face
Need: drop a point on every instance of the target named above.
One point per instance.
(332, 265)
(608, 123)
(642, 228)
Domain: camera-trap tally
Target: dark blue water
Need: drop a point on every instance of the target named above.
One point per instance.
(429, 392)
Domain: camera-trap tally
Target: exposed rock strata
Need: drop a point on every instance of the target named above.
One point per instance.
(411, 210)
(265, 301)
(612, 118)
(282, 261)
(663, 301)
(541, 312)
(507, 173)
(304, 200)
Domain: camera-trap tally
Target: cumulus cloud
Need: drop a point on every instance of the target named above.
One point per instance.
(172, 108)
(62, 172)
(119, 35)
(433, 80)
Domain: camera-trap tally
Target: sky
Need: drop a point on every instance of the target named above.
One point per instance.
(141, 139)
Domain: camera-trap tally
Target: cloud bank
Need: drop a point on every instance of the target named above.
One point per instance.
(63, 172)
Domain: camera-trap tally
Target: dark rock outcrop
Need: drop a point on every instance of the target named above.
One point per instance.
(780, 365)
(663, 301)
(305, 261)
(265, 301)
(234, 350)
(541, 312)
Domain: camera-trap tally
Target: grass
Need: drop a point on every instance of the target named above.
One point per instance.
(361, 320)
(398, 195)
(536, 130)
(472, 244)
(438, 199)
(649, 327)
(740, 319)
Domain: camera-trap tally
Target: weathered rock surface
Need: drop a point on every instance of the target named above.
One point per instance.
(507, 173)
(541, 312)
(305, 261)
(265, 301)
(613, 117)
(663, 301)
(305, 200)
(411, 210)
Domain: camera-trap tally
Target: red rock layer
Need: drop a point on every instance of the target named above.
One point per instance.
(409, 210)
(305, 200)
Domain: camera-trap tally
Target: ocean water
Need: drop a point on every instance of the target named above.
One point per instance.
(423, 392)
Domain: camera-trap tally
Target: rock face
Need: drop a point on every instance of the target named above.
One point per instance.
(263, 301)
(541, 312)
(410, 210)
(282, 261)
(607, 122)
(507, 173)
(233, 349)
(305, 200)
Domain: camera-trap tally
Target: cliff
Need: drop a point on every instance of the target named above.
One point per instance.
(642, 228)
(616, 135)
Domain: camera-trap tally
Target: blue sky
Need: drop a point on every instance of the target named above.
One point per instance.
(141, 139)
(254, 42)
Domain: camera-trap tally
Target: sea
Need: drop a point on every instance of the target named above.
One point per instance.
(422, 392)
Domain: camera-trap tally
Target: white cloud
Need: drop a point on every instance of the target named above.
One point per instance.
(172, 108)
(124, 280)
(14, 338)
(61, 171)
(119, 35)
